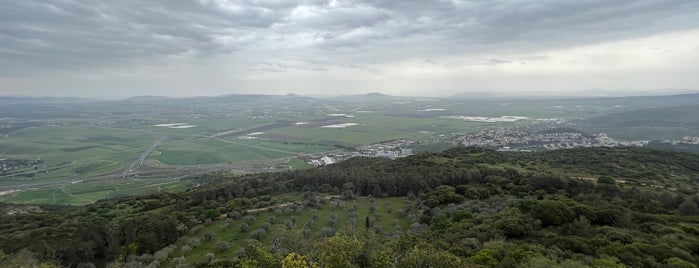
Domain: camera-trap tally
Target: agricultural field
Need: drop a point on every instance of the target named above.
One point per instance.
(373, 129)
(292, 225)
(99, 143)
(72, 152)
(82, 164)
(89, 192)
(212, 151)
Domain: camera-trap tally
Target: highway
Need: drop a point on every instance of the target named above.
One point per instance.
(138, 169)
(139, 162)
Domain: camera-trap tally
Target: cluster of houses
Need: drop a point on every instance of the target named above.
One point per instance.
(8, 166)
(325, 160)
(393, 149)
(690, 140)
(393, 154)
(521, 140)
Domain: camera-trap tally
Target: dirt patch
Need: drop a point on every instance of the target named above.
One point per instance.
(329, 197)
(8, 192)
(270, 207)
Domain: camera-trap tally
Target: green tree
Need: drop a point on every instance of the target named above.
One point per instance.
(540, 262)
(261, 256)
(552, 212)
(688, 207)
(608, 262)
(222, 245)
(185, 249)
(605, 180)
(339, 251)
(209, 235)
(293, 260)
(210, 257)
(428, 256)
(675, 262)
(513, 224)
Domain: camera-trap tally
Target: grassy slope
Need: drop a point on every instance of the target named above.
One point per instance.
(229, 230)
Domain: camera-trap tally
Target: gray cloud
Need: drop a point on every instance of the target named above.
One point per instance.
(498, 61)
(73, 33)
(76, 32)
(316, 35)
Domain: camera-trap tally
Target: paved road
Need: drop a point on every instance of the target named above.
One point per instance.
(139, 162)
(137, 168)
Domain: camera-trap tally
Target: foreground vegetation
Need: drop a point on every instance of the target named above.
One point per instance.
(594, 207)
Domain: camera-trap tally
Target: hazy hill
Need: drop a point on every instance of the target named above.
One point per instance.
(671, 98)
(372, 97)
(145, 98)
(650, 123)
(243, 99)
(670, 116)
(39, 100)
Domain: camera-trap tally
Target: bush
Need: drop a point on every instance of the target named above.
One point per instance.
(258, 233)
(222, 245)
(551, 212)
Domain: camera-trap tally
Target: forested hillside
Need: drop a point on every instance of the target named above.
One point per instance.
(588, 207)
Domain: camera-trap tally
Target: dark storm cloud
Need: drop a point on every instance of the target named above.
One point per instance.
(60, 33)
(83, 33)
(548, 22)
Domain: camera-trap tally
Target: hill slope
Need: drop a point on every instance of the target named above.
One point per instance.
(598, 207)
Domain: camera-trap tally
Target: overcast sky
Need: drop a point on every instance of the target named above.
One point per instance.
(125, 48)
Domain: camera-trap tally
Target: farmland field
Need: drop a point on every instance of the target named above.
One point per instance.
(86, 193)
(104, 144)
(69, 152)
(79, 150)
(208, 151)
(373, 129)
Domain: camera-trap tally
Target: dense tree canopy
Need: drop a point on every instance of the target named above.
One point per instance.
(599, 207)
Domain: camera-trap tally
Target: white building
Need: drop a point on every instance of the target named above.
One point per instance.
(327, 160)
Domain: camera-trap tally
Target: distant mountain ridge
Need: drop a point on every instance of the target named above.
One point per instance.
(647, 123)
(229, 98)
(666, 116)
(589, 94)
(684, 98)
(9, 100)
(145, 98)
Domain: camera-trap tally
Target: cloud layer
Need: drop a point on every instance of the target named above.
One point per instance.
(170, 47)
